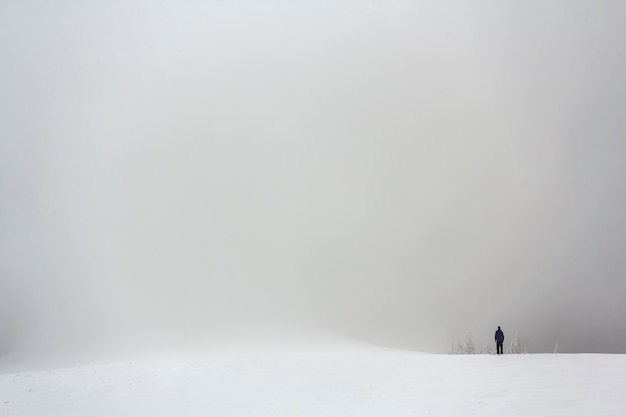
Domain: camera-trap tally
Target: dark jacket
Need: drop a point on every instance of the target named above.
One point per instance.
(499, 336)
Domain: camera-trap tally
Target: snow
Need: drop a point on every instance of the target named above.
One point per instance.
(324, 380)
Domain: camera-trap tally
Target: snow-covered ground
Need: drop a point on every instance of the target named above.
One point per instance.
(324, 380)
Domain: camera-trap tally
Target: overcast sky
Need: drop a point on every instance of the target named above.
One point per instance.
(401, 172)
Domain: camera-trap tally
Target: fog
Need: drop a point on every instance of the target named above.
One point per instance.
(398, 172)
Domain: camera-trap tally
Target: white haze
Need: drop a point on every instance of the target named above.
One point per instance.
(398, 172)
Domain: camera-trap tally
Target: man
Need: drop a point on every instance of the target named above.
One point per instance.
(499, 340)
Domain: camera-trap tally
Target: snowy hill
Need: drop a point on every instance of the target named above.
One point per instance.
(341, 380)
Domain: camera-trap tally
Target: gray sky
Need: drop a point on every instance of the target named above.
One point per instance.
(402, 172)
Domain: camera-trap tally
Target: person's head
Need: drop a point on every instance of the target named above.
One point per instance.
(498, 327)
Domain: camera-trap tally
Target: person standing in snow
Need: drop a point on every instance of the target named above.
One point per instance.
(499, 340)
